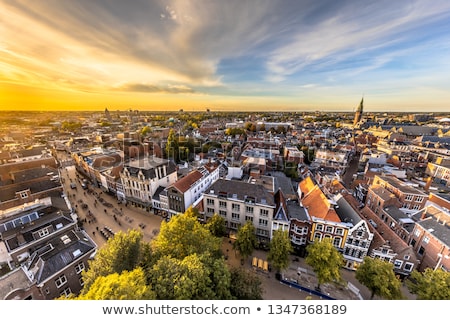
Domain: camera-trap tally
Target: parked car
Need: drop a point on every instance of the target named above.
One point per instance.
(73, 185)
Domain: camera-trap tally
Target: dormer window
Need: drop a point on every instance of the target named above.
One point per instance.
(23, 194)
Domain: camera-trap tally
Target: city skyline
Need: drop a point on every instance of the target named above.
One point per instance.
(225, 55)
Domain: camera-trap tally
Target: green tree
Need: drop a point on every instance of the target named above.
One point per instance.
(129, 285)
(182, 236)
(430, 285)
(172, 146)
(145, 130)
(195, 277)
(180, 279)
(280, 248)
(245, 241)
(245, 285)
(123, 252)
(325, 260)
(216, 225)
(379, 277)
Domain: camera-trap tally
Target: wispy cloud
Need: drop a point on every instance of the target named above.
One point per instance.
(149, 88)
(222, 47)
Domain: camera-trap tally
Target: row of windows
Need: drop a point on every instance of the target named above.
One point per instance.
(298, 240)
(335, 240)
(330, 229)
(411, 197)
(237, 207)
(408, 266)
(409, 206)
(62, 280)
(355, 253)
(358, 242)
(300, 230)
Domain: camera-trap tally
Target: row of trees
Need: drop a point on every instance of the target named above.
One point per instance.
(326, 261)
(185, 262)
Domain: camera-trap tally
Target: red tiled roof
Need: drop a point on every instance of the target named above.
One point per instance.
(186, 182)
(318, 205)
(306, 185)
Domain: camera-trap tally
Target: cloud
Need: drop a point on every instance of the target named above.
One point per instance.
(353, 31)
(219, 47)
(149, 88)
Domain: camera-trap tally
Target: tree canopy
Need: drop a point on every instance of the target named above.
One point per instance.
(182, 236)
(379, 277)
(216, 225)
(129, 285)
(123, 252)
(245, 241)
(280, 248)
(325, 260)
(430, 285)
(183, 261)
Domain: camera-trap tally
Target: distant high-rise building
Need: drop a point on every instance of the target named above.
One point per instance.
(358, 113)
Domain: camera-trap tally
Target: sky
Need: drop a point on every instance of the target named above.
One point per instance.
(233, 55)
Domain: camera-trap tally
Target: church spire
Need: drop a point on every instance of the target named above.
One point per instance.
(358, 113)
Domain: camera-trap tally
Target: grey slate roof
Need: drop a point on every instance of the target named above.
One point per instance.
(241, 190)
(438, 229)
(346, 212)
(57, 254)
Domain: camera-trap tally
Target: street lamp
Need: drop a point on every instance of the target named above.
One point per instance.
(439, 262)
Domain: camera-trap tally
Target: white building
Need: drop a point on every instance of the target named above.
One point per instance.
(141, 178)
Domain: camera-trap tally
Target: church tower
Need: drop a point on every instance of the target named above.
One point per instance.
(358, 113)
(107, 114)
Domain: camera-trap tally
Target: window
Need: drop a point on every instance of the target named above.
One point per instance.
(79, 267)
(263, 222)
(235, 207)
(419, 198)
(329, 229)
(249, 209)
(248, 218)
(409, 197)
(406, 257)
(319, 227)
(60, 281)
(43, 232)
(210, 210)
(359, 233)
(337, 241)
(223, 213)
(339, 231)
(416, 207)
(264, 213)
(234, 225)
(235, 216)
(421, 251)
(222, 204)
(398, 263)
(262, 232)
(408, 266)
(417, 233)
(210, 202)
(66, 292)
(426, 239)
(23, 195)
